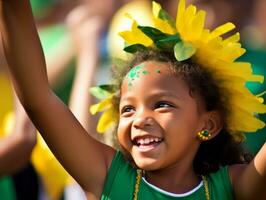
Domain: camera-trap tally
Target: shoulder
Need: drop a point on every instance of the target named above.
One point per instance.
(120, 167)
(220, 184)
(120, 179)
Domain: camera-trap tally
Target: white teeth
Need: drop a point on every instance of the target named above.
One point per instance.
(147, 141)
(141, 141)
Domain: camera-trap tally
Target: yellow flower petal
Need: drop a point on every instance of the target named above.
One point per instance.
(198, 25)
(109, 118)
(253, 124)
(188, 16)
(180, 14)
(136, 36)
(160, 24)
(232, 39)
(156, 8)
(163, 26)
(100, 106)
(221, 30)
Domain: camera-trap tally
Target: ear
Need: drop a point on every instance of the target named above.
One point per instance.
(213, 123)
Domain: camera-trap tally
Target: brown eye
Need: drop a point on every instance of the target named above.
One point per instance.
(127, 109)
(163, 104)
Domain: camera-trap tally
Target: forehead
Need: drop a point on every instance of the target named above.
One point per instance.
(151, 76)
(148, 68)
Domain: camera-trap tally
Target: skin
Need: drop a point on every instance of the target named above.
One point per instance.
(158, 105)
(24, 56)
(85, 29)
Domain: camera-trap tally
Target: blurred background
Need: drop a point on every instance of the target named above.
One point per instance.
(80, 42)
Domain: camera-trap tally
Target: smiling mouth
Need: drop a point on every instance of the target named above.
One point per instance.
(147, 143)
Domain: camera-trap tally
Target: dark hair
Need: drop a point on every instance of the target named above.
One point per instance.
(219, 151)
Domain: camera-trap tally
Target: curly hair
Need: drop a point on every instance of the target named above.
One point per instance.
(221, 150)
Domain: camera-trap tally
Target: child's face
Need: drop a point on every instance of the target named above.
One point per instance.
(158, 117)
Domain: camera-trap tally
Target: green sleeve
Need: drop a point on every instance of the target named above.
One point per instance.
(7, 191)
(220, 185)
(120, 180)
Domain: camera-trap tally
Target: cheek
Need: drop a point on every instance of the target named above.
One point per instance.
(123, 133)
(120, 133)
(169, 121)
(179, 126)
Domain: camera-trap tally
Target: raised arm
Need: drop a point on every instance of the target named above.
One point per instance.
(85, 29)
(249, 181)
(63, 133)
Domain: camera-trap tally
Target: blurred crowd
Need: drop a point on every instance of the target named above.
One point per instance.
(80, 42)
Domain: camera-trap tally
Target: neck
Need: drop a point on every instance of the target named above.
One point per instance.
(176, 179)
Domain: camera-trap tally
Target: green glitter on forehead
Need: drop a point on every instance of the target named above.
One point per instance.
(136, 72)
(145, 72)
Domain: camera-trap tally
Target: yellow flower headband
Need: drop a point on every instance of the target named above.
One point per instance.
(188, 38)
(110, 116)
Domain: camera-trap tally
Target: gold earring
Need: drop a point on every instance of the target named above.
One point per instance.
(204, 135)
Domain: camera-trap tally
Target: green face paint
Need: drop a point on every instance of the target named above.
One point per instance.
(136, 72)
(145, 72)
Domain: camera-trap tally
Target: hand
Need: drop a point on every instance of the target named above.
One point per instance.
(105, 10)
(84, 25)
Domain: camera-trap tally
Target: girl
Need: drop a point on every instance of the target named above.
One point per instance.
(178, 107)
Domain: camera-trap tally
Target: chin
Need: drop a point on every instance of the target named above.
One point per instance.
(147, 164)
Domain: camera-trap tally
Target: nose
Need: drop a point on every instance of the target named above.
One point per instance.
(143, 119)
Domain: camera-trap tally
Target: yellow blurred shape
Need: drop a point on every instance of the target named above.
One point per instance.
(141, 11)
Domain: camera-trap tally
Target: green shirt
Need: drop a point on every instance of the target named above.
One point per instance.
(7, 190)
(120, 183)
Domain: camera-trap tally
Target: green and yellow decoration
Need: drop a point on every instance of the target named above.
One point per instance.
(187, 38)
(109, 118)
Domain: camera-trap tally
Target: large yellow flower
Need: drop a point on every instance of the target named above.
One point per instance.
(187, 38)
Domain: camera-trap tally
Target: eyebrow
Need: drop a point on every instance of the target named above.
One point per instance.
(157, 93)
(165, 93)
